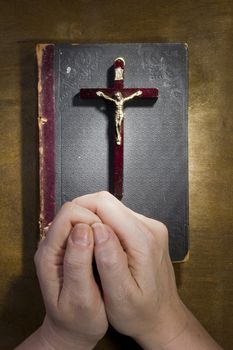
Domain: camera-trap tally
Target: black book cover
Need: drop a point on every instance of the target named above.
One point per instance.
(75, 134)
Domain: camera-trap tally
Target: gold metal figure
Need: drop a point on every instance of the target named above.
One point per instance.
(119, 101)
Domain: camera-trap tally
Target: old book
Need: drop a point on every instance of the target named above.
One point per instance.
(75, 134)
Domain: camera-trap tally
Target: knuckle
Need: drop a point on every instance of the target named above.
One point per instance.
(147, 233)
(159, 235)
(38, 253)
(38, 259)
(42, 259)
(67, 206)
(163, 233)
(163, 228)
(73, 266)
(69, 262)
(71, 275)
(105, 195)
(108, 261)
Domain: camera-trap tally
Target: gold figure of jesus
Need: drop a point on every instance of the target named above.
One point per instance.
(119, 101)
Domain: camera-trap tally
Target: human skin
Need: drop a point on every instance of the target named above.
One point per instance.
(138, 281)
(140, 297)
(75, 313)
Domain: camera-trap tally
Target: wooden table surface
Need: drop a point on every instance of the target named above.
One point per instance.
(205, 282)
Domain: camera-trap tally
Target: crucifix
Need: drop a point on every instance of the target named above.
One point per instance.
(119, 96)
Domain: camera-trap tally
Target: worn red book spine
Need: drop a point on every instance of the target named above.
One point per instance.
(46, 124)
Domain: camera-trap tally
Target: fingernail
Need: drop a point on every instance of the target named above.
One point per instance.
(101, 233)
(81, 235)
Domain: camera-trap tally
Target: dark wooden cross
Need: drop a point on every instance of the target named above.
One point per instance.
(119, 95)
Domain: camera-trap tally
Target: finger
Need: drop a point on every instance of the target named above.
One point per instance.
(133, 234)
(51, 250)
(78, 280)
(159, 230)
(69, 215)
(112, 264)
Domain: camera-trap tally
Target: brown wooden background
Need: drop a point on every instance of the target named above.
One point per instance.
(205, 282)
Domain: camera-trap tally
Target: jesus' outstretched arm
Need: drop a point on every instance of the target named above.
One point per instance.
(101, 94)
(137, 93)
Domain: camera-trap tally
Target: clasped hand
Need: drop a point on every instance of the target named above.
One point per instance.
(138, 296)
(137, 292)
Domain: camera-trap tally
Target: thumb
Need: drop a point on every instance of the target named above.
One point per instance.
(78, 279)
(112, 265)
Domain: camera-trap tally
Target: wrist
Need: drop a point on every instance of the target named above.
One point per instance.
(53, 338)
(169, 324)
(182, 331)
